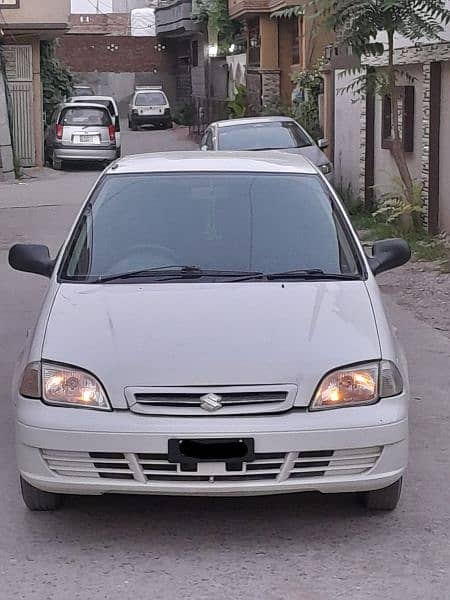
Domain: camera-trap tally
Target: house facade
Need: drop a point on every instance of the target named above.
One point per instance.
(24, 24)
(276, 48)
(362, 129)
(176, 27)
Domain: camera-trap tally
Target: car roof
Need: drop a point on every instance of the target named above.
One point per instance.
(196, 161)
(251, 120)
(91, 99)
(82, 105)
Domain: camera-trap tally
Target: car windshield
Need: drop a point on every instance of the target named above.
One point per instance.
(250, 222)
(150, 99)
(96, 117)
(268, 136)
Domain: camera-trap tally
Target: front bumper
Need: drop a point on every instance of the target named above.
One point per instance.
(124, 453)
(92, 153)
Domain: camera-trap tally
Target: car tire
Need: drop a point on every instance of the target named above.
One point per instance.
(57, 163)
(38, 500)
(384, 499)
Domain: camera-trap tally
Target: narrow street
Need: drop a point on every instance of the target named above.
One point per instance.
(269, 548)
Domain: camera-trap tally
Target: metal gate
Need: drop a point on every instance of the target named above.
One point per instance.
(19, 75)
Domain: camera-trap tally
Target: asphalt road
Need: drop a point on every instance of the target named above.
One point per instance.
(302, 547)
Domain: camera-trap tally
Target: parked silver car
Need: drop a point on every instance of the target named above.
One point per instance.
(80, 132)
(267, 133)
(110, 104)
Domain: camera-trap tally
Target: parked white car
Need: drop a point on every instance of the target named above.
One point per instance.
(149, 106)
(212, 326)
(111, 105)
(266, 133)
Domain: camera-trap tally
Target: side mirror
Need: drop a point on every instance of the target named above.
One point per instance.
(389, 254)
(323, 144)
(31, 258)
(204, 148)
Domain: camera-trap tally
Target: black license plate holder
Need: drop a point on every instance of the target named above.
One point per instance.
(225, 450)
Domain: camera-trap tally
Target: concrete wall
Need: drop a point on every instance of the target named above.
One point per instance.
(38, 11)
(444, 201)
(385, 169)
(347, 137)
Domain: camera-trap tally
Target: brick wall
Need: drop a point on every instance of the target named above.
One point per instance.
(114, 54)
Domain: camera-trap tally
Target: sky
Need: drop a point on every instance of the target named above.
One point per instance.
(87, 6)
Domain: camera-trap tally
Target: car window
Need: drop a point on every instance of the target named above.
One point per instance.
(106, 103)
(257, 136)
(246, 221)
(85, 116)
(150, 99)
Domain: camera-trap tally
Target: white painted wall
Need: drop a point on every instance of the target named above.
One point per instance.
(385, 169)
(347, 138)
(444, 203)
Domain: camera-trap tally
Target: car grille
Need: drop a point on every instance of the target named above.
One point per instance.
(233, 400)
(156, 468)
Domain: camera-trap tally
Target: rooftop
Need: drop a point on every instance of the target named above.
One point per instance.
(196, 161)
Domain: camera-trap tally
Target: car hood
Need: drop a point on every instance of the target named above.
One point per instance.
(211, 334)
(314, 153)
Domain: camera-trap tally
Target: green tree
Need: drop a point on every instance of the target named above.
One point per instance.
(57, 80)
(358, 24)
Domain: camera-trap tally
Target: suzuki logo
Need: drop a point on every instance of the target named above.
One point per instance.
(211, 402)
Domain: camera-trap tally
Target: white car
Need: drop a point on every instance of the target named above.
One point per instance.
(111, 105)
(211, 327)
(149, 106)
(266, 133)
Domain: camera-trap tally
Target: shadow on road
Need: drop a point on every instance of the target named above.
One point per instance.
(233, 522)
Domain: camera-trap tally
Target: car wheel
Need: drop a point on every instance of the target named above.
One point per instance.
(57, 163)
(384, 499)
(47, 159)
(38, 499)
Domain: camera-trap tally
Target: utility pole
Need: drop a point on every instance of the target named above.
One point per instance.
(6, 151)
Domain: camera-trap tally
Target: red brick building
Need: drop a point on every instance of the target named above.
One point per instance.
(100, 51)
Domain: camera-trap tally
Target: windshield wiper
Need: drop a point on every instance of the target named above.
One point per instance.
(176, 272)
(304, 274)
(311, 274)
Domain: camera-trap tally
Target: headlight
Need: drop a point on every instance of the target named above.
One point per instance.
(358, 386)
(63, 386)
(326, 168)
